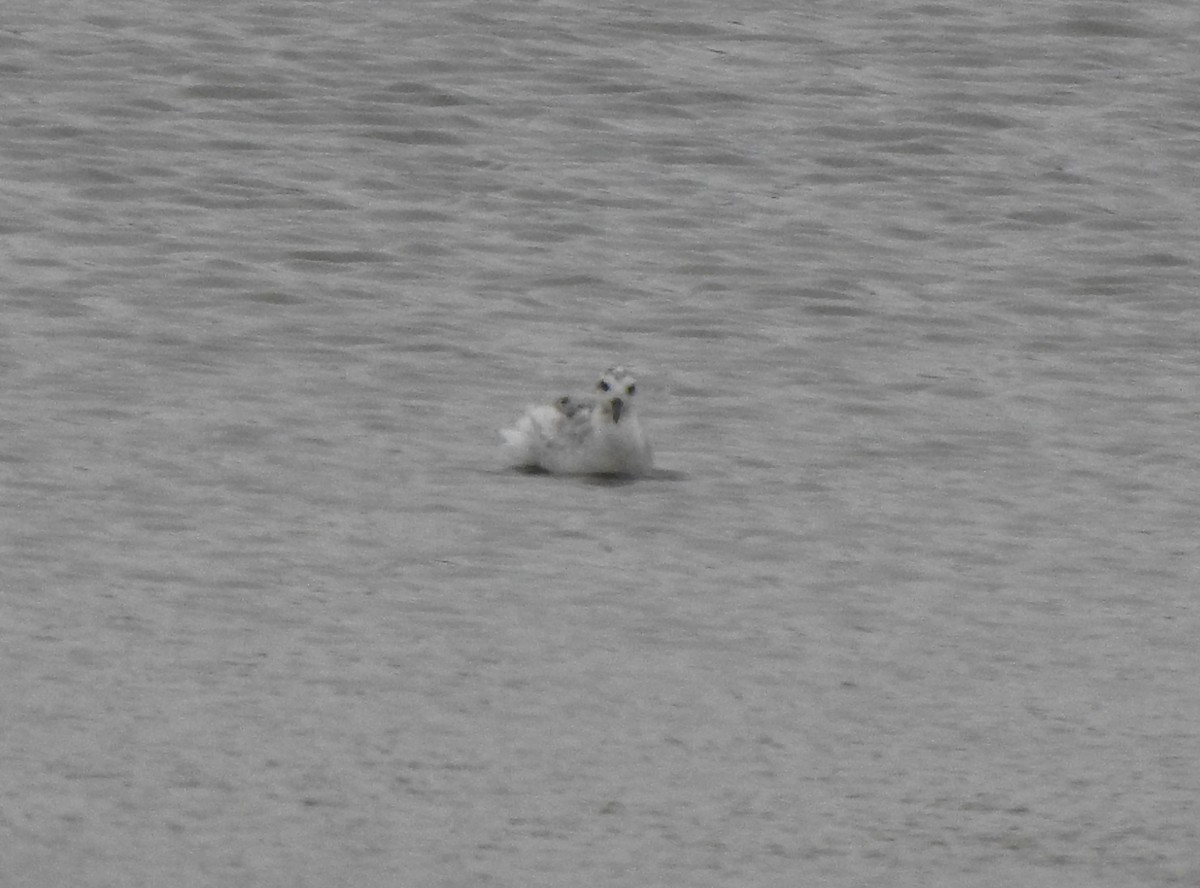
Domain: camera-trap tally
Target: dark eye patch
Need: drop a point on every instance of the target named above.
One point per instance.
(630, 389)
(602, 385)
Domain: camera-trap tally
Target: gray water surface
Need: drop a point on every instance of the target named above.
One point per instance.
(911, 292)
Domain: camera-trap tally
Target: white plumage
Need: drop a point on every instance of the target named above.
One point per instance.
(596, 434)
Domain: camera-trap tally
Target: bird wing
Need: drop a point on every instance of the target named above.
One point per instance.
(572, 406)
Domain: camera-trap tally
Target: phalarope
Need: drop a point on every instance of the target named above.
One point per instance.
(597, 434)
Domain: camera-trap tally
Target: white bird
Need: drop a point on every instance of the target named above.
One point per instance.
(591, 435)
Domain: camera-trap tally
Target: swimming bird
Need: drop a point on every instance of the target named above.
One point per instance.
(597, 434)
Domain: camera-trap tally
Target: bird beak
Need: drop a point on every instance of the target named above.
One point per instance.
(617, 406)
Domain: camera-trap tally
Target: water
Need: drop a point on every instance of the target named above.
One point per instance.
(910, 290)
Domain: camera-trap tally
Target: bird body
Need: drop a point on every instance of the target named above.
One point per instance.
(596, 434)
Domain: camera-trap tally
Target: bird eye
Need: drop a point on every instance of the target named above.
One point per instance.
(602, 385)
(630, 389)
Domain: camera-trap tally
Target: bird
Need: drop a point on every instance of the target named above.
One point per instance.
(596, 434)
